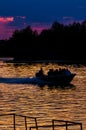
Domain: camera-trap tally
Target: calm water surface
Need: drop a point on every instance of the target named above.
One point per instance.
(45, 103)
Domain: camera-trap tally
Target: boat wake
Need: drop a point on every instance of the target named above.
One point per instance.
(33, 81)
(21, 80)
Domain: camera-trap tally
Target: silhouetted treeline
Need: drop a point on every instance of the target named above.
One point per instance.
(59, 42)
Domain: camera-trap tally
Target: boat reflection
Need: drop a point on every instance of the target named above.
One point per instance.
(50, 87)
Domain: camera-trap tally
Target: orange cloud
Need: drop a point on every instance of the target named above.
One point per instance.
(6, 19)
(5, 30)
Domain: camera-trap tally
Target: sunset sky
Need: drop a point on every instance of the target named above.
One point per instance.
(39, 14)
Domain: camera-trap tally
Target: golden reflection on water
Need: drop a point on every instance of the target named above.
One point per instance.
(44, 103)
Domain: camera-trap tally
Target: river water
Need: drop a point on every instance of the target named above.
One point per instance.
(44, 102)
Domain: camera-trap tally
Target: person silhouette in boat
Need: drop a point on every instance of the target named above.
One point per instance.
(68, 72)
(50, 72)
(40, 73)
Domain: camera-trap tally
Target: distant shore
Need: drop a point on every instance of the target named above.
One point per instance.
(48, 61)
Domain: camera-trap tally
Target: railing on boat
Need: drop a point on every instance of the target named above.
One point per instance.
(65, 125)
(54, 123)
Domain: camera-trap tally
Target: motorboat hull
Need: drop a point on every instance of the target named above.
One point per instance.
(59, 80)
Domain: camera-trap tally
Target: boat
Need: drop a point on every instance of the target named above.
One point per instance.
(56, 77)
(61, 77)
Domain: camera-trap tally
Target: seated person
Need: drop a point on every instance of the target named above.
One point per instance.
(40, 73)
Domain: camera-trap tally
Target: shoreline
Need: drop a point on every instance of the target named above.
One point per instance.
(83, 62)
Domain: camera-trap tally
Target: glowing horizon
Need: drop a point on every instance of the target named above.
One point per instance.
(38, 14)
(9, 24)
